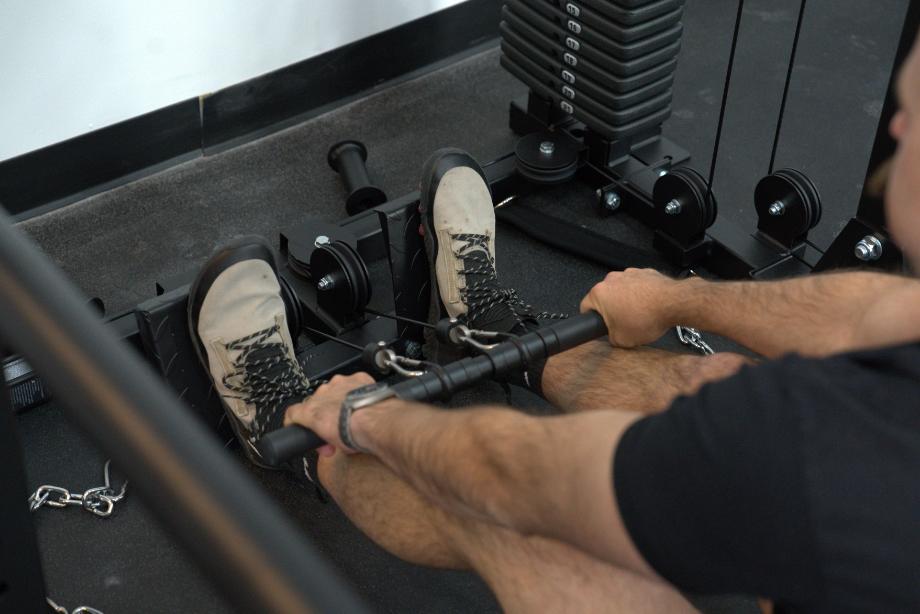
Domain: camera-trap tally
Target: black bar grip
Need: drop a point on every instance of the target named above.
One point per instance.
(289, 442)
(292, 441)
(503, 359)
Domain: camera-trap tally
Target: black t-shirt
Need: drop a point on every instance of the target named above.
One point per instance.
(797, 480)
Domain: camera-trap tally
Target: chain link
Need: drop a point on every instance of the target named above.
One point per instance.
(83, 609)
(99, 501)
(693, 338)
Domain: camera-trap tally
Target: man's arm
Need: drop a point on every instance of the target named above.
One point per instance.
(817, 315)
(539, 476)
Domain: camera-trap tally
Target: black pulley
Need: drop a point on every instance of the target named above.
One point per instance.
(547, 158)
(788, 206)
(343, 286)
(349, 159)
(684, 205)
(299, 243)
(291, 307)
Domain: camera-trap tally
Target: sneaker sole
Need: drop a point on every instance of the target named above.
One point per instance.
(245, 248)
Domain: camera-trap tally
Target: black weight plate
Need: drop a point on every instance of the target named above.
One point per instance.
(599, 125)
(559, 82)
(620, 13)
(603, 27)
(546, 51)
(557, 167)
(579, 98)
(563, 38)
(535, 27)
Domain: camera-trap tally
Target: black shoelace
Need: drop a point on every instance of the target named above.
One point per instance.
(482, 291)
(266, 377)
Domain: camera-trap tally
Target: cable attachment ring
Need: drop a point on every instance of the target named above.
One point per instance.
(385, 360)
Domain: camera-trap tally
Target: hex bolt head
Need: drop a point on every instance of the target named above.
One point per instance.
(673, 208)
(325, 284)
(869, 249)
(321, 240)
(547, 148)
(612, 201)
(777, 209)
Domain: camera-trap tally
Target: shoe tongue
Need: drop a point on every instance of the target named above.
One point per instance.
(499, 318)
(278, 370)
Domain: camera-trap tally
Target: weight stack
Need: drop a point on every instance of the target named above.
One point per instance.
(607, 63)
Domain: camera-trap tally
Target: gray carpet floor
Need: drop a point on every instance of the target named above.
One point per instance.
(118, 244)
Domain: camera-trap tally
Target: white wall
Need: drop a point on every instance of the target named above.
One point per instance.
(68, 67)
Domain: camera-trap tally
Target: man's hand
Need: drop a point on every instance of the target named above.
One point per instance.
(637, 305)
(320, 412)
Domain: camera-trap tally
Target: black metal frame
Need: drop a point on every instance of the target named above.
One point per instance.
(870, 219)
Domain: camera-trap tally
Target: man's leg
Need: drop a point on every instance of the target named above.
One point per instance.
(597, 376)
(526, 573)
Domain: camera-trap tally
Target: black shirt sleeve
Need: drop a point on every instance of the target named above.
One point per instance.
(713, 494)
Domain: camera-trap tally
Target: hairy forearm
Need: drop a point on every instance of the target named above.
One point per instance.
(597, 376)
(481, 463)
(540, 476)
(813, 316)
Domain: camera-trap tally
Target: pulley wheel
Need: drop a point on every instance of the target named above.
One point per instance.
(681, 202)
(546, 158)
(291, 307)
(788, 205)
(342, 283)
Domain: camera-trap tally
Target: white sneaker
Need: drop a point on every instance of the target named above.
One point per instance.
(237, 316)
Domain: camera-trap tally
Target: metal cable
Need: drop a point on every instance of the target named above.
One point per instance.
(725, 90)
(782, 107)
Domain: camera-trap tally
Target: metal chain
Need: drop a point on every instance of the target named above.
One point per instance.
(693, 338)
(83, 609)
(99, 500)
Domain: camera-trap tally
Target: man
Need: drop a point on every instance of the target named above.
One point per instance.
(795, 480)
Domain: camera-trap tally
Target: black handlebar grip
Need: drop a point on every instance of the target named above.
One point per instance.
(289, 442)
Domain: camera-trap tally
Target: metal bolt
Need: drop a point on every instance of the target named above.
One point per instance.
(673, 208)
(612, 201)
(325, 284)
(547, 148)
(777, 209)
(321, 240)
(869, 249)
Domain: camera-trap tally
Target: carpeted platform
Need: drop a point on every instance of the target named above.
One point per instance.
(116, 245)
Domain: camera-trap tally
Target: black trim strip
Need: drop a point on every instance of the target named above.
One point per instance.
(60, 174)
(66, 172)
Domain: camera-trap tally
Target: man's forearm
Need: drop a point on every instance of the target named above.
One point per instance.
(450, 456)
(814, 316)
(544, 476)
